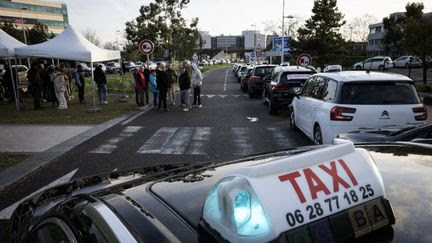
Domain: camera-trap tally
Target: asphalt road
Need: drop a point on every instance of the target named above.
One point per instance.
(228, 126)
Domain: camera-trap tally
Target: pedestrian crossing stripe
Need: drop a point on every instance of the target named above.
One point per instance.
(193, 140)
(175, 140)
(112, 144)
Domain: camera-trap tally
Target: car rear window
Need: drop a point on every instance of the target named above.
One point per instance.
(263, 71)
(294, 77)
(379, 93)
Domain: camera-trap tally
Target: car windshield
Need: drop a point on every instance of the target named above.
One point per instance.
(379, 93)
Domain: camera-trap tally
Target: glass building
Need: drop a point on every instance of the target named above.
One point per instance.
(29, 12)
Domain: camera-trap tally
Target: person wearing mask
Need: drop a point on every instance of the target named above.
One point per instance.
(140, 85)
(196, 84)
(153, 87)
(147, 78)
(172, 78)
(34, 77)
(80, 82)
(60, 87)
(184, 84)
(162, 85)
(101, 81)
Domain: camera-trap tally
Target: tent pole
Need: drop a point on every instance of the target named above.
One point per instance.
(17, 105)
(125, 96)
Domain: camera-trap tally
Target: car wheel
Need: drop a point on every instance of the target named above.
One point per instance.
(272, 107)
(238, 80)
(317, 135)
(358, 68)
(292, 121)
(243, 88)
(406, 65)
(381, 67)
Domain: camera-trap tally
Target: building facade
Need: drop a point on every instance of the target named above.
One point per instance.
(27, 13)
(206, 38)
(253, 38)
(233, 42)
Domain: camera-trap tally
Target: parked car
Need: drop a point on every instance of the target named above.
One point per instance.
(407, 61)
(113, 67)
(374, 63)
(418, 134)
(282, 84)
(244, 78)
(255, 84)
(240, 71)
(333, 103)
(332, 194)
(128, 66)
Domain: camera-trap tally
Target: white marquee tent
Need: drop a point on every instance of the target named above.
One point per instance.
(69, 45)
(7, 50)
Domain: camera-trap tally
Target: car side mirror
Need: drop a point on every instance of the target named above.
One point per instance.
(297, 94)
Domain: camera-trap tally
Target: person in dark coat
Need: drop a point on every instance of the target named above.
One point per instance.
(184, 85)
(8, 83)
(101, 81)
(36, 80)
(147, 78)
(162, 85)
(80, 82)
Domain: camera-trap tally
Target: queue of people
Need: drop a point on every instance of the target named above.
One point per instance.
(161, 82)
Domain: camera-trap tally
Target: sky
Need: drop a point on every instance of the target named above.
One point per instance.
(228, 17)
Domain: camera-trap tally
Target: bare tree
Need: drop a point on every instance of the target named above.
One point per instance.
(90, 35)
(111, 45)
(274, 26)
(357, 29)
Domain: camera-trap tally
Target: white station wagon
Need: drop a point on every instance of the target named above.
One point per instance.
(333, 103)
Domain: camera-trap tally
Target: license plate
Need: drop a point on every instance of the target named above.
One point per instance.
(368, 217)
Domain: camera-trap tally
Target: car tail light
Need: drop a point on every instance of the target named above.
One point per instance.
(420, 109)
(336, 113)
(279, 87)
(254, 78)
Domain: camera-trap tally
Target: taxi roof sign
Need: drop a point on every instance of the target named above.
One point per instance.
(263, 200)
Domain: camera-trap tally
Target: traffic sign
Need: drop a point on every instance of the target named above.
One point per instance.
(146, 47)
(304, 60)
(258, 53)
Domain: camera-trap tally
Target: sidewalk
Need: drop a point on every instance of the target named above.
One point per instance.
(45, 142)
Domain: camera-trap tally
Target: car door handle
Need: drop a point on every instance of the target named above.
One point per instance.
(314, 106)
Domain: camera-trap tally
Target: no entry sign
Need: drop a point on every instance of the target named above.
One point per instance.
(146, 47)
(304, 60)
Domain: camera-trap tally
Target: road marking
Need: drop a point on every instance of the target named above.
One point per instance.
(252, 119)
(280, 138)
(112, 144)
(222, 96)
(135, 116)
(7, 212)
(210, 96)
(175, 140)
(241, 141)
(226, 77)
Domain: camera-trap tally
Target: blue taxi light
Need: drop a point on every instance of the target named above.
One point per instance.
(256, 223)
(242, 208)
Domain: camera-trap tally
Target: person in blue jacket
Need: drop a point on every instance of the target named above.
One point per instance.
(154, 88)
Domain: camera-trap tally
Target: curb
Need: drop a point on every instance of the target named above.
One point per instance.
(23, 169)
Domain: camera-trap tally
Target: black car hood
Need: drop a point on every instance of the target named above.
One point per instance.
(405, 170)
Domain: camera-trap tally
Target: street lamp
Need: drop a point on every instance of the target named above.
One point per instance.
(22, 22)
(254, 25)
(283, 30)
